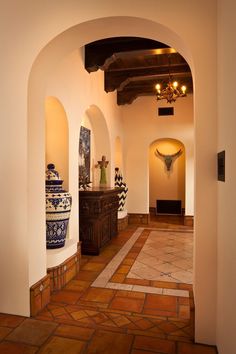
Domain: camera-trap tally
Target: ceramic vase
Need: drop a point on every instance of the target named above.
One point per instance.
(120, 183)
(58, 207)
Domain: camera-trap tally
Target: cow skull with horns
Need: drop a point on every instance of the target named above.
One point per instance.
(168, 159)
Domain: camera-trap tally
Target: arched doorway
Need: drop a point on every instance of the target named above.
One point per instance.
(37, 92)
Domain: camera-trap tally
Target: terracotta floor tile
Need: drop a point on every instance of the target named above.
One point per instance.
(128, 261)
(110, 343)
(58, 311)
(133, 255)
(4, 331)
(144, 324)
(127, 304)
(87, 275)
(184, 311)
(74, 332)
(164, 284)
(188, 348)
(161, 302)
(137, 281)
(184, 301)
(99, 295)
(121, 321)
(32, 332)
(130, 294)
(168, 327)
(124, 269)
(80, 314)
(92, 266)
(100, 318)
(60, 345)
(154, 344)
(118, 278)
(66, 297)
(137, 351)
(17, 348)
(77, 285)
(162, 313)
(10, 320)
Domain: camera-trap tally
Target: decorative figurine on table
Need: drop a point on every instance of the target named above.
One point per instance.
(103, 165)
(83, 178)
(121, 184)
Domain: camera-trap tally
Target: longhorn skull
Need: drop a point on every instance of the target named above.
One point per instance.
(169, 158)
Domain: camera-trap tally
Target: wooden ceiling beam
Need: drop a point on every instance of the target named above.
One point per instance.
(97, 52)
(114, 79)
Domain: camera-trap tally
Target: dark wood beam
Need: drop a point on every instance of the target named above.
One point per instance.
(97, 52)
(114, 79)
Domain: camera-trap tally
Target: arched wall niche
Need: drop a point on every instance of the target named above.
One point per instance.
(205, 111)
(101, 143)
(164, 184)
(57, 139)
(118, 154)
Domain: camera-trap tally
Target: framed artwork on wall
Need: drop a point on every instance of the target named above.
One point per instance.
(84, 154)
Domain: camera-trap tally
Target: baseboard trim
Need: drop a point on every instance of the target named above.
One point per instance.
(134, 218)
(188, 220)
(122, 223)
(39, 295)
(56, 278)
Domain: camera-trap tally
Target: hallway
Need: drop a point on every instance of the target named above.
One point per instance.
(112, 307)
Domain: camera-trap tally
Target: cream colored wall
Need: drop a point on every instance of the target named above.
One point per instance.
(164, 184)
(190, 29)
(142, 127)
(57, 138)
(226, 190)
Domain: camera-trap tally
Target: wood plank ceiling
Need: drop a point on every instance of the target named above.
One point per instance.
(133, 66)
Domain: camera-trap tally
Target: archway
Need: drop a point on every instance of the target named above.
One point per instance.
(65, 43)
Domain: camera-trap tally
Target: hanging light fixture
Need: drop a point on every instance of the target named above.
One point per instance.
(171, 92)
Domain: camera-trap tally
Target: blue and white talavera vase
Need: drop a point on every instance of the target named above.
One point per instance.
(58, 206)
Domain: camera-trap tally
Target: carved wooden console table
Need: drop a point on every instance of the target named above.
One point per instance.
(97, 218)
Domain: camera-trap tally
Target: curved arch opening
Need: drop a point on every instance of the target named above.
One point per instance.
(100, 144)
(57, 137)
(65, 47)
(166, 171)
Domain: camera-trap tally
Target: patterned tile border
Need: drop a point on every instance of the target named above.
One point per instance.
(103, 280)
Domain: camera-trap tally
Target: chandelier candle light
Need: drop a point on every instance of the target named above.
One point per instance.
(171, 92)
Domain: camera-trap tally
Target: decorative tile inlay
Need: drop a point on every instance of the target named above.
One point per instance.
(151, 255)
(166, 255)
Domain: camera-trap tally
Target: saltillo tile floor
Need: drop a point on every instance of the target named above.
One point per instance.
(111, 308)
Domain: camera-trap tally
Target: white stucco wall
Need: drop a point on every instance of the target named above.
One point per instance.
(143, 126)
(26, 28)
(226, 190)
